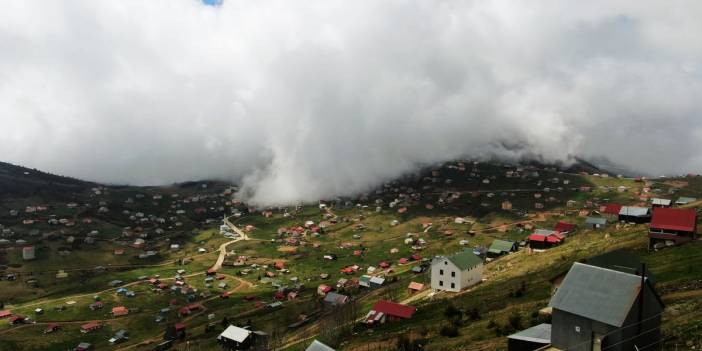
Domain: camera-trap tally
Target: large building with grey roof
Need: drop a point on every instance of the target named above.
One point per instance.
(603, 309)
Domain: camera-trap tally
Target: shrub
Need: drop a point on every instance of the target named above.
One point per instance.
(449, 331)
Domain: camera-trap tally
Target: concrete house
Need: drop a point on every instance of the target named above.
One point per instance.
(597, 308)
(456, 272)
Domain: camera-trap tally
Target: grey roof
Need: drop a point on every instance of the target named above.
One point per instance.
(318, 346)
(596, 220)
(663, 202)
(596, 293)
(546, 232)
(685, 200)
(634, 211)
(539, 333)
(334, 298)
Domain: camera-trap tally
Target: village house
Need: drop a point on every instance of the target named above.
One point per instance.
(119, 311)
(333, 299)
(683, 200)
(658, 202)
(456, 272)
(236, 338)
(597, 308)
(531, 339)
(388, 311)
(90, 326)
(635, 214)
(595, 222)
(501, 247)
(318, 346)
(545, 239)
(672, 226)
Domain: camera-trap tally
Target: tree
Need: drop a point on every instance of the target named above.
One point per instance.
(225, 322)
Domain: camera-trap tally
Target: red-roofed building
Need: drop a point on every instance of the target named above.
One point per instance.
(91, 326)
(51, 328)
(564, 227)
(16, 319)
(184, 311)
(611, 209)
(5, 314)
(119, 311)
(545, 241)
(388, 311)
(671, 226)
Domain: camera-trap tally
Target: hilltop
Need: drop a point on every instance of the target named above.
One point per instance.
(150, 248)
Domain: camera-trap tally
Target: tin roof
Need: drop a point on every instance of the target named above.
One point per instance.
(539, 334)
(596, 293)
(674, 219)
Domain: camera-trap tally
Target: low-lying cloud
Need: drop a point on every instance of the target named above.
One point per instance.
(303, 100)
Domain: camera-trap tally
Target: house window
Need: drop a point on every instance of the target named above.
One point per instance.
(441, 272)
(453, 274)
(441, 283)
(453, 285)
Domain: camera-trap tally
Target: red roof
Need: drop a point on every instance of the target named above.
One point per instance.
(674, 219)
(91, 325)
(612, 209)
(553, 239)
(565, 227)
(5, 314)
(394, 309)
(120, 310)
(179, 326)
(537, 237)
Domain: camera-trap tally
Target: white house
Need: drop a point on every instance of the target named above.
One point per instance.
(456, 272)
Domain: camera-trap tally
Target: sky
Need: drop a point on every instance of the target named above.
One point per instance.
(314, 99)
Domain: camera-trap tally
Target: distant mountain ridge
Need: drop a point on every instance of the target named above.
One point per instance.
(18, 181)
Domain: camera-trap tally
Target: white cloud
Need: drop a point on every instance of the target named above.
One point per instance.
(312, 99)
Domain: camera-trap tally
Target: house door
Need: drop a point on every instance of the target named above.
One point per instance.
(597, 341)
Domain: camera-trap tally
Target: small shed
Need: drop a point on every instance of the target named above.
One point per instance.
(595, 222)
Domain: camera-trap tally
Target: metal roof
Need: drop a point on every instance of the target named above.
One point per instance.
(318, 346)
(634, 211)
(662, 202)
(596, 293)
(596, 220)
(539, 333)
(544, 232)
(465, 260)
(500, 246)
(682, 219)
(235, 333)
(683, 200)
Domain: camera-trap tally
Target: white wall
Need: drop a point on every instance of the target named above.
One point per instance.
(462, 280)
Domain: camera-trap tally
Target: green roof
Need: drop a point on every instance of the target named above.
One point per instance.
(500, 246)
(465, 260)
